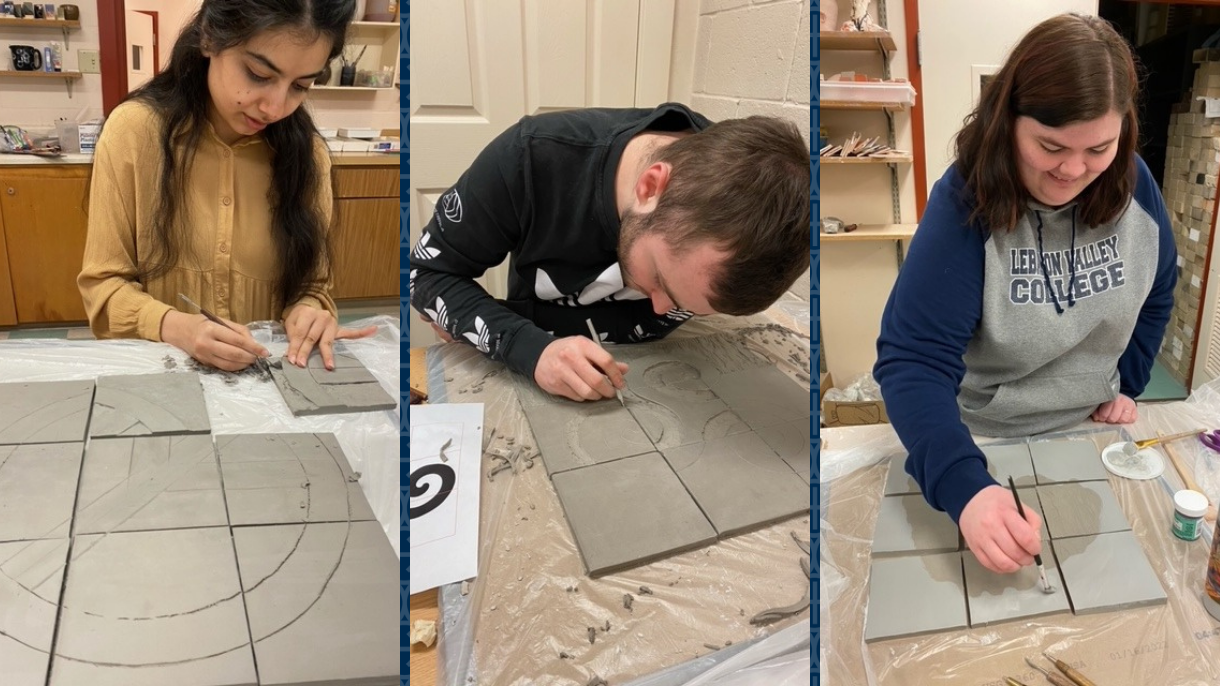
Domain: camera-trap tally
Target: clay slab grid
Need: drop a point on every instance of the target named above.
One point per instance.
(150, 482)
(1004, 461)
(1062, 461)
(914, 595)
(1082, 508)
(762, 397)
(331, 587)
(791, 442)
(31, 575)
(897, 481)
(995, 598)
(153, 608)
(1107, 572)
(906, 525)
(630, 511)
(673, 418)
(313, 390)
(44, 412)
(144, 404)
(571, 434)
(739, 482)
(37, 490)
(289, 478)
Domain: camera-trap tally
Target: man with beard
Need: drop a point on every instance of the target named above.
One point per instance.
(632, 219)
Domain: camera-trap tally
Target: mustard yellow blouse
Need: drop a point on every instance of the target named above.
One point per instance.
(228, 264)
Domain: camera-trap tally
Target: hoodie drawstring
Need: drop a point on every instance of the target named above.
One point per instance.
(1072, 254)
(1046, 277)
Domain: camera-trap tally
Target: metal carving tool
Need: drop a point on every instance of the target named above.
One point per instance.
(597, 339)
(1077, 678)
(1053, 678)
(1046, 585)
(263, 365)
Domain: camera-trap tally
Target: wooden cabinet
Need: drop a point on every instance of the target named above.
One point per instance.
(365, 236)
(42, 212)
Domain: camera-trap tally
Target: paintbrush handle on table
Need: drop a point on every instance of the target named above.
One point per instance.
(1077, 678)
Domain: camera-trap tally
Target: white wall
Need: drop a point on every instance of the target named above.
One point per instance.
(949, 50)
(37, 104)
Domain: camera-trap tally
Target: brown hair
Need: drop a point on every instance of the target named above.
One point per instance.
(1068, 69)
(742, 185)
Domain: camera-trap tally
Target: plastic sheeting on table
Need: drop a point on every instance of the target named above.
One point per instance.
(1176, 644)
(533, 601)
(244, 404)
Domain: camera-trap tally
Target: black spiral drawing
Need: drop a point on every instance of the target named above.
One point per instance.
(448, 479)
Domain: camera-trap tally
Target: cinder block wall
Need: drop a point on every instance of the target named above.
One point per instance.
(1191, 165)
(753, 58)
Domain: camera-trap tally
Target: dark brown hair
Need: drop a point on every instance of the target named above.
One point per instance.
(1068, 69)
(742, 185)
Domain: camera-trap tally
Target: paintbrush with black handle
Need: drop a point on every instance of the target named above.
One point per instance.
(1046, 585)
(263, 365)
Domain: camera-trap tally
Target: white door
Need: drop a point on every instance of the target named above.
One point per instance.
(140, 37)
(489, 63)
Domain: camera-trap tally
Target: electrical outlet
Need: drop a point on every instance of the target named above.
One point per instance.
(89, 62)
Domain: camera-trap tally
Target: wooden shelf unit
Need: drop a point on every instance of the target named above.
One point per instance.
(857, 40)
(873, 232)
(889, 159)
(856, 105)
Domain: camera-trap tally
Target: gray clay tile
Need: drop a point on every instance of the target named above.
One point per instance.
(150, 482)
(762, 397)
(1002, 597)
(289, 478)
(37, 488)
(1107, 572)
(897, 481)
(572, 434)
(322, 601)
(906, 525)
(1082, 508)
(1004, 461)
(44, 412)
(674, 417)
(152, 608)
(1062, 461)
(31, 574)
(144, 404)
(313, 390)
(630, 511)
(739, 482)
(790, 441)
(915, 595)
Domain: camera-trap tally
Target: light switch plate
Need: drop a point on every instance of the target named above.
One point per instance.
(89, 61)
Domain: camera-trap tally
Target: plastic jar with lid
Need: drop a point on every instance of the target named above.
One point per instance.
(1189, 507)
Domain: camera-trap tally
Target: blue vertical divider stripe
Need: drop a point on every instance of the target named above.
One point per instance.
(815, 334)
(404, 363)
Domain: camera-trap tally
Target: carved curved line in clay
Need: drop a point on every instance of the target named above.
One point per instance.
(778, 613)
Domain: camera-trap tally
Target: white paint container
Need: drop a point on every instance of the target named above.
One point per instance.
(1188, 509)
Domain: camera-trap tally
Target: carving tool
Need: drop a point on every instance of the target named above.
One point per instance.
(1009, 681)
(263, 365)
(1077, 678)
(1046, 585)
(598, 340)
(1055, 679)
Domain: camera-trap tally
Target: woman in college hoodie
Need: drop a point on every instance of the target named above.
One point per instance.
(1039, 282)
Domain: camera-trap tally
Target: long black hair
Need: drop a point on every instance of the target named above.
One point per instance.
(180, 94)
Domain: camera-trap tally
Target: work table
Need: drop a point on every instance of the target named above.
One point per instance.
(337, 159)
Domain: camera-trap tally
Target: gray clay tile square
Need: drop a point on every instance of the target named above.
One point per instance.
(1107, 572)
(44, 412)
(289, 478)
(997, 598)
(762, 397)
(572, 434)
(673, 417)
(629, 512)
(313, 390)
(1062, 461)
(897, 481)
(1004, 461)
(37, 488)
(790, 441)
(31, 574)
(739, 482)
(1082, 508)
(906, 525)
(144, 404)
(150, 482)
(915, 595)
(152, 608)
(322, 601)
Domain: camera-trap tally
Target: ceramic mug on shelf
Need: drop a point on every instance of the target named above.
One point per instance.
(70, 12)
(26, 57)
(27, 9)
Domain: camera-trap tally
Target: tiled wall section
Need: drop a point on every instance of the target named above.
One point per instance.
(753, 58)
(1191, 167)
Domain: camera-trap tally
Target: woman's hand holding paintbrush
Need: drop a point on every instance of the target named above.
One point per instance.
(1001, 536)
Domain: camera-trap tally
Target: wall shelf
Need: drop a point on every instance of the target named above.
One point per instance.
(67, 76)
(365, 89)
(873, 232)
(857, 40)
(64, 25)
(855, 105)
(888, 159)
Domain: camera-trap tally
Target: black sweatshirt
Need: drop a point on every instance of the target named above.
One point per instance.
(543, 192)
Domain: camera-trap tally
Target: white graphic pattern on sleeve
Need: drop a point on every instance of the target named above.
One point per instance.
(411, 285)
(440, 315)
(480, 337)
(607, 286)
(423, 252)
(451, 205)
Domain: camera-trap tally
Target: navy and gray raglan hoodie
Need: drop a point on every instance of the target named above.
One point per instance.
(1020, 332)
